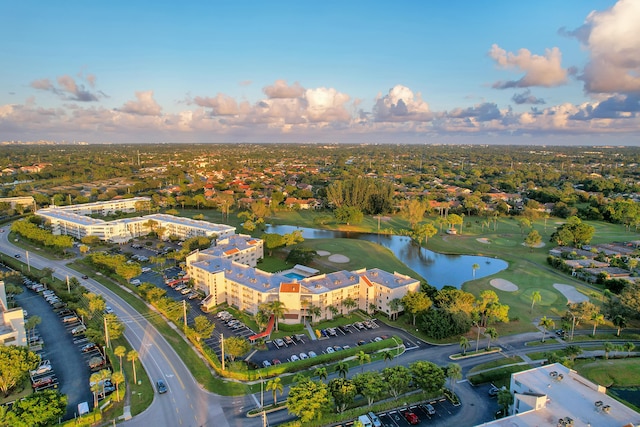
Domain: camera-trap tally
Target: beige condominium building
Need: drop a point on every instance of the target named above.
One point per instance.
(228, 274)
(74, 220)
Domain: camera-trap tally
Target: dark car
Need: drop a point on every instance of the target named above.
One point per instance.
(85, 277)
(17, 255)
(493, 391)
(161, 386)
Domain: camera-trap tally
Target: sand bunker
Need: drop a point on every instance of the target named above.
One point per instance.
(539, 245)
(571, 293)
(483, 240)
(341, 259)
(503, 285)
(323, 253)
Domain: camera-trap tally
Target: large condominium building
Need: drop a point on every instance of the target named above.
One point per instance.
(19, 201)
(225, 280)
(74, 221)
(12, 330)
(554, 395)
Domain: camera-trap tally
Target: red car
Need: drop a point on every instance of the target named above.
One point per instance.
(411, 418)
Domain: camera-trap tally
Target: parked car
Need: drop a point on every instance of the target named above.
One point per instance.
(493, 391)
(411, 418)
(288, 340)
(294, 358)
(161, 386)
(135, 282)
(279, 342)
(185, 291)
(78, 329)
(88, 347)
(303, 356)
(44, 366)
(312, 353)
(42, 382)
(430, 409)
(146, 269)
(70, 318)
(276, 362)
(266, 363)
(330, 350)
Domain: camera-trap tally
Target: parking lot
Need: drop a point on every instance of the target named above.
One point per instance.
(432, 413)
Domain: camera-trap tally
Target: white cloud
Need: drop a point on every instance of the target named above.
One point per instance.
(539, 70)
(612, 37)
(144, 106)
(401, 105)
(280, 89)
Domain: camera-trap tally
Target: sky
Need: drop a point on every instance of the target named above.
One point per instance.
(420, 72)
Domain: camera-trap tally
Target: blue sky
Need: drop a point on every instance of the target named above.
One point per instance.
(508, 72)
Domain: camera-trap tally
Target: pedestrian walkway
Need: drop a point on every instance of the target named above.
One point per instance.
(312, 333)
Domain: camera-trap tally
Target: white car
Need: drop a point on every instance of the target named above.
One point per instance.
(146, 269)
(135, 282)
(312, 354)
(303, 356)
(294, 358)
(279, 342)
(330, 350)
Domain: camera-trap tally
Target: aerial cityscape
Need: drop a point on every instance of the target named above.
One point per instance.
(340, 214)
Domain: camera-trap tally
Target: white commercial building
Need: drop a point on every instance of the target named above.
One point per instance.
(12, 330)
(554, 395)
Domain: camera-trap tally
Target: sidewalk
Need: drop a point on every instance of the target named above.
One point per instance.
(312, 333)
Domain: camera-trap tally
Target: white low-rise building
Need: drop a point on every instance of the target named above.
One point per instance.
(12, 330)
(554, 395)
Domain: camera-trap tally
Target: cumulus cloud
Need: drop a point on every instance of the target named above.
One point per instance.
(539, 70)
(280, 89)
(68, 88)
(612, 38)
(614, 107)
(482, 112)
(526, 98)
(220, 105)
(401, 105)
(144, 106)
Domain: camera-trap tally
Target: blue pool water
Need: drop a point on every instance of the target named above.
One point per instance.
(292, 275)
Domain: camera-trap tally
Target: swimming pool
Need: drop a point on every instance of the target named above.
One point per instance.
(293, 275)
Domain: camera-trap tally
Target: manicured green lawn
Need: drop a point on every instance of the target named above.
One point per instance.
(611, 372)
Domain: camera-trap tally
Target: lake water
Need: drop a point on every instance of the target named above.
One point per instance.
(437, 269)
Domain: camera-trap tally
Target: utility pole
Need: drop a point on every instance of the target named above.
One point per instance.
(106, 332)
(184, 309)
(222, 348)
(68, 287)
(28, 263)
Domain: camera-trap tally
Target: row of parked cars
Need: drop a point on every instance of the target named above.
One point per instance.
(229, 320)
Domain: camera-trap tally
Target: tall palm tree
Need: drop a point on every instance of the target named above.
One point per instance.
(608, 348)
(546, 323)
(492, 333)
(629, 347)
(387, 356)
(464, 345)
(362, 358)
(321, 373)
(619, 322)
(278, 309)
(132, 356)
(395, 305)
(334, 311)
(597, 319)
(120, 352)
(117, 378)
(275, 385)
(342, 369)
(535, 297)
(474, 267)
(454, 372)
(314, 311)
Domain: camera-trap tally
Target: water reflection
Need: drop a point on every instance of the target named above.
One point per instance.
(438, 269)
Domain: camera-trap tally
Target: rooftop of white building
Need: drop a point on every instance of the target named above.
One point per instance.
(572, 396)
(389, 280)
(235, 242)
(203, 225)
(65, 215)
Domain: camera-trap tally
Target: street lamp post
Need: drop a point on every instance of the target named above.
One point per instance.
(573, 324)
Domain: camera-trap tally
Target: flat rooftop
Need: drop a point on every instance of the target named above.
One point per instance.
(573, 396)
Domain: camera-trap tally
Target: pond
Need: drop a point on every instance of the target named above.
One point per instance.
(437, 269)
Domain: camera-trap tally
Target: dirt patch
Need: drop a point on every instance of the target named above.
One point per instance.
(323, 253)
(503, 285)
(339, 259)
(484, 240)
(571, 293)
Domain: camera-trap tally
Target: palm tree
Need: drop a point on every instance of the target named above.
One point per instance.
(349, 303)
(342, 369)
(535, 297)
(387, 356)
(395, 305)
(454, 372)
(608, 348)
(362, 358)
(619, 322)
(275, 385)
(597, 319)
(278, 309)
(464, 345)
(334, 311)
(546, 323)
(120, 351)
(132, 356)
(314, 311)
(372, 307)
(474, 267)
(492, 334)
(629, 347)
(321, 373)
(117, 378)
